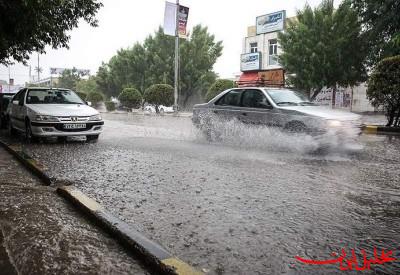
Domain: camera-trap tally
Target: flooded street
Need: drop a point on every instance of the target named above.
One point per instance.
(246, 204)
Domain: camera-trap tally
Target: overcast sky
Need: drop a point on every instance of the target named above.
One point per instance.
(124, 22)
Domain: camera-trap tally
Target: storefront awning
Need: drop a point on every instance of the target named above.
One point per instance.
(262, 78)
(248, 78)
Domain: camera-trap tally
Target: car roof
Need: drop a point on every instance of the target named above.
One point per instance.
(46, 88)
(260, 87)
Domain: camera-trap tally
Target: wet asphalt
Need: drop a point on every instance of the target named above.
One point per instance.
(246, 204)
(40, 233)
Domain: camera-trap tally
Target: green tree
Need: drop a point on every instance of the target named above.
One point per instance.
(95, 97)
(82, 95)
(130, 97)
(87, 85)
(381, 27)
(105, 81)
(323, 48)
(153, 62)
(69, 79)
(28, 26)
(219, 86)
(159, 94)
(198, 56)
(384, 88)
(110, 106)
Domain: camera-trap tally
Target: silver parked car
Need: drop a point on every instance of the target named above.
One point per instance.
(278, 107)
(52, 112)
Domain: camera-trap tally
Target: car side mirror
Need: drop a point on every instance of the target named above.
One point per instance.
(15, 102)
(88, 103)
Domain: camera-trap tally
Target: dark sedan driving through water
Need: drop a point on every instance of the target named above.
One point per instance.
(276, 107)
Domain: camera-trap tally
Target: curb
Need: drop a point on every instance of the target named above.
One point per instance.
(27, 161)
(375, 129)
(150, 252)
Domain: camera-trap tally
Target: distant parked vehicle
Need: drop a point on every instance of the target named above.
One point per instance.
(52, 112)
(162, 109)
(275, 107)
(5, 99)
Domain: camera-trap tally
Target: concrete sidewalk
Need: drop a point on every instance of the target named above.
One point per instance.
(40, 233)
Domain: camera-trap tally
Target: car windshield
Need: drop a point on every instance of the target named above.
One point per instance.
(53, 97)
(288, 97)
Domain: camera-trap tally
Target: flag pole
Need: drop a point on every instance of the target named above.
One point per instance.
(176, 78)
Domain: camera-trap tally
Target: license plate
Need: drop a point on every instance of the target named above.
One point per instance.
(75, 126)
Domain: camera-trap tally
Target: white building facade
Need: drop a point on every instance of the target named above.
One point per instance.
(259, 64)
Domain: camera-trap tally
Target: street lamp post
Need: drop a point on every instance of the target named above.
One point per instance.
(176, 77)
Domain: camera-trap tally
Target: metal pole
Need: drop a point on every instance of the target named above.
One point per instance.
(9, 77)
(38, 68)
(176, 78)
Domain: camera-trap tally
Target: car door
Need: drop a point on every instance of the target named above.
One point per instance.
(17, 114)
(256, 109)
(228, 106)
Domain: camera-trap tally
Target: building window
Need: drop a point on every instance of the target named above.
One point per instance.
(273, 52)
(253, 47)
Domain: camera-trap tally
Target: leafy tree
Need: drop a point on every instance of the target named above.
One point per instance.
(159, 94)
(219, 86)
(87, 85)
(68, 79)
(28, 26)
(384, 88)
(198, 57)
(323, 48)
(381, 27)
(95, 97)
(105, 81)
(110, 106)
(130, 97)
(82, 95)
(153, 62)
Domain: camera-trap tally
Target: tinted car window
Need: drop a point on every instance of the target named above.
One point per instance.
(53, 97)
(19, 96)
(232, 98)
(255, 99)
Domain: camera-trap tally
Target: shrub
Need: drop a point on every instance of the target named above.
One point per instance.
(384, 88)
(219, 86)
(130, 97)
(82, 95)
(95, 97)
(110, 106)
(159, 94)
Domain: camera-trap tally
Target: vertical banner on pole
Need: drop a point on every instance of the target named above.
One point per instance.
(182, 21)
(170, 19)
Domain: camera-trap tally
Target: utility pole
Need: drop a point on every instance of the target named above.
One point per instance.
(9, 78)
(38, 68)
(176, 78)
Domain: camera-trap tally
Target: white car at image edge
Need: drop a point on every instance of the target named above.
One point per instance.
(52, 112)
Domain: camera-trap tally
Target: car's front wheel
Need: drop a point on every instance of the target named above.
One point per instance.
(92, 138)
(29, 136)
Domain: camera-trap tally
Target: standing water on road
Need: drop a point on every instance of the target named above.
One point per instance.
(245, 204)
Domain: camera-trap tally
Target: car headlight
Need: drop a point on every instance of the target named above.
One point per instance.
(95, 117)
(46, 118)
(334, 123)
